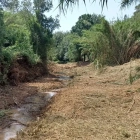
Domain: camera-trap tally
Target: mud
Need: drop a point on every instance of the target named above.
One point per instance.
(28, 111)
(21, 117)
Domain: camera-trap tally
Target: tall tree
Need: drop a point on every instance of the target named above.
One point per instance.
(85, 22)
(40, 26)
(58, 37)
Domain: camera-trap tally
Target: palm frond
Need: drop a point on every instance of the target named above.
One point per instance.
(127, 3)
(64, 4)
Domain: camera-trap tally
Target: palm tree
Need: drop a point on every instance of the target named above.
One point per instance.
(126, 3)
(64, 4)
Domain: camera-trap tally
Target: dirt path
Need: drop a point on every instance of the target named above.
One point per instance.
(92, 107)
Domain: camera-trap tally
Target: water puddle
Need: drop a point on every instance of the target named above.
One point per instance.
(20, 117)
(12, 131)
(63, 77)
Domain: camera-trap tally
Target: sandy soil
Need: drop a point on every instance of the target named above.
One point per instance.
(95, 105)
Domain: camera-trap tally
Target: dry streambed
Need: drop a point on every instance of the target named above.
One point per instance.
(20, 116)
(93, 107)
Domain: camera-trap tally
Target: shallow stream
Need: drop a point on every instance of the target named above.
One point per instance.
(22, 116)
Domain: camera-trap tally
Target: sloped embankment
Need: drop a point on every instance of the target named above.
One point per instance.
(22, 70)
(93, 106)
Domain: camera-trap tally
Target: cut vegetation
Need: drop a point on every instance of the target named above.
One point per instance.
(92, 106)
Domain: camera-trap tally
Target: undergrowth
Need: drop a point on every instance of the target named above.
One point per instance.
(11, 53)
(9, 56)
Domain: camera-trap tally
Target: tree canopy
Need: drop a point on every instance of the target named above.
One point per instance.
(85, 22)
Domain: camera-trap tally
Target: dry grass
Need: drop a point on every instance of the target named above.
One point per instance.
(92, 107)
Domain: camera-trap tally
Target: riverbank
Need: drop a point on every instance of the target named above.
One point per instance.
(23, 103)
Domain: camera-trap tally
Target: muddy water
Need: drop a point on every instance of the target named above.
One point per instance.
(20, 117)
(63, 77)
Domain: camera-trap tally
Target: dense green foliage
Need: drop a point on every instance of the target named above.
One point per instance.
(94, 39)
(26, 26)
(40, 26)
(85, 22)
(26, 31)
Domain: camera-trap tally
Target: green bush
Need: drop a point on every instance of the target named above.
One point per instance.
(10, 54)
(13, 52)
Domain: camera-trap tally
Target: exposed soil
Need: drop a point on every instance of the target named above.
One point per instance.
(96, 105)
(20, 87)
(22, 71)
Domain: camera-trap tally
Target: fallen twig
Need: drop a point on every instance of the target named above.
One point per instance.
(131, 106)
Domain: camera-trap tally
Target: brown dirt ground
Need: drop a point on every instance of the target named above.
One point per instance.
(13, 96)
(96, 105)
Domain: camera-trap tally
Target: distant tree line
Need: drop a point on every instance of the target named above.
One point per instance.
(95, 39)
